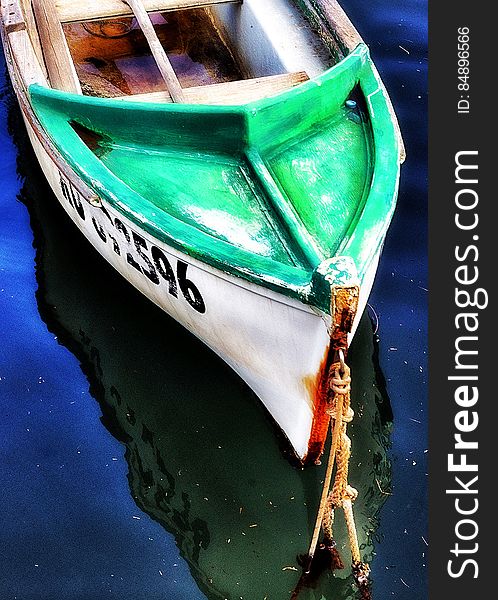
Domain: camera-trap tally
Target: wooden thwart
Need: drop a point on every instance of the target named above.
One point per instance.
(232, 92)
(74, 10)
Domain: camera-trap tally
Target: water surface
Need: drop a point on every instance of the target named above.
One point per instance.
(136, 465)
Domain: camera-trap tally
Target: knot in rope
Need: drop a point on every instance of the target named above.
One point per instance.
(340, 383)
(347, 413)
(361, 572)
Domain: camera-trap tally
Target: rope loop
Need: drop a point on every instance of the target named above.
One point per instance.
(340, 494)
(340, 385)
(340, 381)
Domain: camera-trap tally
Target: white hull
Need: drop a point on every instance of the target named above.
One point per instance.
(274, 343)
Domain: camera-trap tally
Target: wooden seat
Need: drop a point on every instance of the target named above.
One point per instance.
(232, 92)
(70, 11)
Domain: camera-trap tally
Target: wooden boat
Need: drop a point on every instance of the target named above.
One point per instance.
(191, 466)
(237, 162)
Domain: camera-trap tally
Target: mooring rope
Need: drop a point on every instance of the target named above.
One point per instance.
(341, 495)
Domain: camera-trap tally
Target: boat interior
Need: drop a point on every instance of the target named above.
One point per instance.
(191, 51)
(279, 188)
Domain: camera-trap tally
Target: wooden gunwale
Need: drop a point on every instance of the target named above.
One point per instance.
(29, 17)
(32, 120)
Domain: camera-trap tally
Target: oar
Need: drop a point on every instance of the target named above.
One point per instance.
(162, 61)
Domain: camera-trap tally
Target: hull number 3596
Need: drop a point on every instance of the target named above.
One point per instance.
(149, 261)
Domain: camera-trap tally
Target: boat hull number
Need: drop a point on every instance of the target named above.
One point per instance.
(150, 261)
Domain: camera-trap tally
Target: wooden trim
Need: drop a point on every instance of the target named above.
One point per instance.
(58, 60)
(167, 72)
(29, 17)
(12, 17)
(74, 10)
(232, 92)
(337, 21)
(28, 66)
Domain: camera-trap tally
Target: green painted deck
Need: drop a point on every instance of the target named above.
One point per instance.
(218, 194)
(265, 191)
(326, 177)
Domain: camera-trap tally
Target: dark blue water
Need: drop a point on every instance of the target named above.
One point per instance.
(82, 517)
(397, 36)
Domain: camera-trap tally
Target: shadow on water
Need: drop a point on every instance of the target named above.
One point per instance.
(202, 454)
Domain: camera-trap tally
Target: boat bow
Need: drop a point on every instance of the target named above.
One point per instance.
(266, 191)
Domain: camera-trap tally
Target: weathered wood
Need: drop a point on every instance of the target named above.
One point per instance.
(29, 17)
(58, 60)
(336, 20)
(245, 90)
(94, 84)
(232, 92)
(73, 10)
(28, 65)
(12, 17)
(162, 60)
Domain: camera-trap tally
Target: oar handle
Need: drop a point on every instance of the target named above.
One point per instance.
(162, 60)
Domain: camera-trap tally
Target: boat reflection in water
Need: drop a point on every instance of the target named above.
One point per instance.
(205, 461)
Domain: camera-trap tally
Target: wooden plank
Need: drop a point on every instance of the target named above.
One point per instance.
(26, 61)
(245, 90)
(12, 17)
(162, 61)
(74, 10)
(58, 60)
(232, 92)
(29, 17)
(93, 84)
(336, 20)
